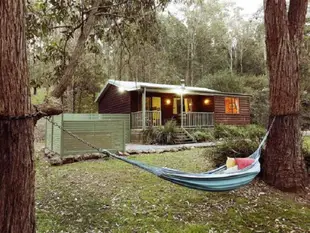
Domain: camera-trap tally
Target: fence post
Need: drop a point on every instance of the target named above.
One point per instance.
(52, 135)
(61, 136)
(143, 108)
(45, 134)
(128, 126)
(124, 137)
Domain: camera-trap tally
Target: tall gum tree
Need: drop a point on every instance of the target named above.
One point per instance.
(284, 166)
(16, 137)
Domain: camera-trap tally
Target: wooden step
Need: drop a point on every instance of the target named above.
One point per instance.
(182, 137)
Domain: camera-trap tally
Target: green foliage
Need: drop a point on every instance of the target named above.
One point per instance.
(202, 136)
(240, 148)
(239, 141)
(254, 85)
(306, 151)
(257, 86)
(39, 97)
(252, 132)
(161, 135)
(223, 81)
(305, 109)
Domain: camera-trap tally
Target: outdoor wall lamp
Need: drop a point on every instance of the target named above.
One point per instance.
(121, 89)
(207, 101)
(168, 101)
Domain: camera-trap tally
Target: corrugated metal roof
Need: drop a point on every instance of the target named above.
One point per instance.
(130, 86)
(133, 86)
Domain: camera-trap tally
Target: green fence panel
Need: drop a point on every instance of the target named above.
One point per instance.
(57, 134)
(100, 133)
(48, 135)
(107, 131)
(123, 117)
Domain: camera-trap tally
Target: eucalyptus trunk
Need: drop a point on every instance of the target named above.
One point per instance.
(284, 165)
(77, 52)
(17, 174)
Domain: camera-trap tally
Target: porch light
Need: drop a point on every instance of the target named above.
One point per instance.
(168, 101)
(121, 89)
(207, 101)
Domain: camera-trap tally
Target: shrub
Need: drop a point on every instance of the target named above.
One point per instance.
(306, 153)
(240, 148)
(150, 135)
(243, 148)
(168, 132)
(253, 132)
(161, 135)
(203, 136)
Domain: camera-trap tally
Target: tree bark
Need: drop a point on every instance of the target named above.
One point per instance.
(231, 59)
(120, 65)
(17, 174)
(284, 165)
(77, 52)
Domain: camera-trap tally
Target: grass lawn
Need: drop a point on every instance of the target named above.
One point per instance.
(112, 196)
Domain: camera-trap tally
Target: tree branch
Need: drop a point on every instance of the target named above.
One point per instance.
(78, 50)
(50, 107)
(297, 18)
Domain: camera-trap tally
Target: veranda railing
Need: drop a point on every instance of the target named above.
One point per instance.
(152, 118)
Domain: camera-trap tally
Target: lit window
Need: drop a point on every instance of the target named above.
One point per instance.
(188, 102)
(232, 105)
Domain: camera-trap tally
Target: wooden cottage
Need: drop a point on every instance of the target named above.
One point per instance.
(153, 104)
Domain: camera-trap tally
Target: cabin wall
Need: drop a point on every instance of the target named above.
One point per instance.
(114, 101)
(199, 105)
(136, 99)
(167, 109)
(220, 117)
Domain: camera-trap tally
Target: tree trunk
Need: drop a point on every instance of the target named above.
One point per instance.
(284, 165)
(189, 58)
(241, 58)
(231, 58)
(120, 66)
(16, 136)
(80, 101)
(73, 96)
(35, 90)
(77, 52)
(192, 59)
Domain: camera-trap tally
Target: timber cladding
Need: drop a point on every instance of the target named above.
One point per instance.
(221, 117)
(114, 101)
(106, 131)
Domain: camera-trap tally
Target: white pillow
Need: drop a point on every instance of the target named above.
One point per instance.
(232, 169)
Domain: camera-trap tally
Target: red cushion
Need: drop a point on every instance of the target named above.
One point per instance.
(243, 162)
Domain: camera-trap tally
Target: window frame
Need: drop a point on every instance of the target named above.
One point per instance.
(233, 101)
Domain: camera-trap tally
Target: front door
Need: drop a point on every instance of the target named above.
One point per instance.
(176, 106)
(187, 105)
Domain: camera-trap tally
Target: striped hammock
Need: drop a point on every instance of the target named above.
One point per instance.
(217, 180)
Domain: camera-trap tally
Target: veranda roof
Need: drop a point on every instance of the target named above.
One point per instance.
(156, 87)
